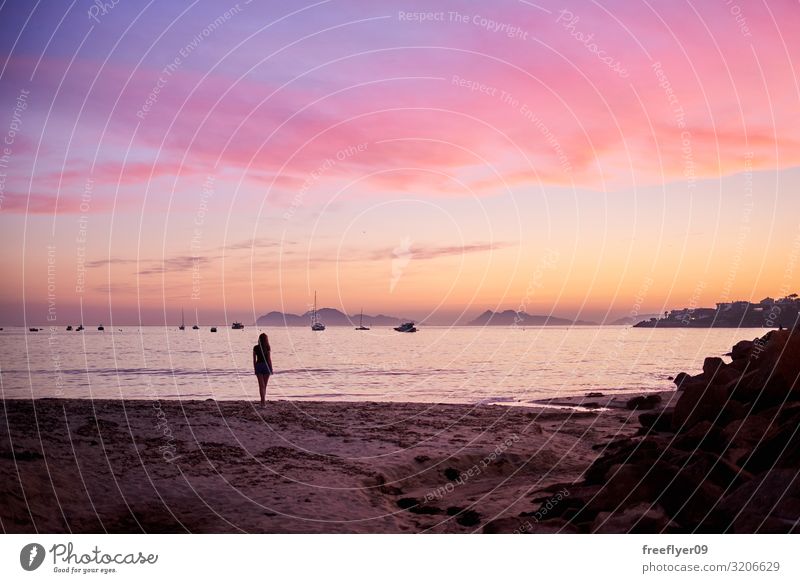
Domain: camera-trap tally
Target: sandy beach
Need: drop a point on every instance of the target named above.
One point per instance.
(306, 467)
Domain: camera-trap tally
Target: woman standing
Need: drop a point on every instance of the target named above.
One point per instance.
(262, 363)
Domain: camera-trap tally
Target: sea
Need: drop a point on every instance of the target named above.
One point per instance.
(503, 365)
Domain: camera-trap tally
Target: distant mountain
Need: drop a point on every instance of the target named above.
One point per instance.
(329, 316)
(630, 320)
(513, 318)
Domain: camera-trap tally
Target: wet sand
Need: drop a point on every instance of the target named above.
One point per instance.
(316, 467)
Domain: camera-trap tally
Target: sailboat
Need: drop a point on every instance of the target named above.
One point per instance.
(183, 325)
(316, 325)
(361, 322)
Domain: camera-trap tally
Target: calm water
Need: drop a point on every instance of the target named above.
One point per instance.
(466, 365)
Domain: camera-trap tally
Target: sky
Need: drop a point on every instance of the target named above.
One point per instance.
(590, 160)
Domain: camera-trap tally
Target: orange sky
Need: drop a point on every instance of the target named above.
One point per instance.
(594, 164)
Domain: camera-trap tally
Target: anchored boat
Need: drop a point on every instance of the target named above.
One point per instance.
(316, 324)
(407, 327)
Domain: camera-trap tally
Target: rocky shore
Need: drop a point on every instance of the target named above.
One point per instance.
(723, 456)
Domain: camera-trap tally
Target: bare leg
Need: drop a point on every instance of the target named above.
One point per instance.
(266, 380)
(262, 387)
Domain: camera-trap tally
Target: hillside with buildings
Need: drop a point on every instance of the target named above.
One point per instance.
(768, 313)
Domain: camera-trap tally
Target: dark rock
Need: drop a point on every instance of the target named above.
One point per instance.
(21, 456)
(680, 378)
(780, 448)
(507, 525)
(768, 503)
(746, 432)
(452, 474)
(468, 518)
(779, 369)
(695, 406)
(703, 435)
(683, 491)
(516, 525)
(643, 518)
(421, 459)
(741, 350)
(406, 503)
(712, 364)
(643, 402)
(425, 510)
(453, 510)
(594, 395)
(661, 421)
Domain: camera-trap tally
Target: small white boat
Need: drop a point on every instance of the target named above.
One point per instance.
(183, 324)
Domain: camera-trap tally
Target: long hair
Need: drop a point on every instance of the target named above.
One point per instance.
(263, 343)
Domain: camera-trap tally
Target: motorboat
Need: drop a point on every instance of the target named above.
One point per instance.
(69, 328)
(79, 328)
(213, 328)
(100, 327)
(407, 327)
(195, 327)
(237, 326)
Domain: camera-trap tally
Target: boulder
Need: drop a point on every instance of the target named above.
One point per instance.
(643, 402)
(703, 435)
(767, 503)
(686, 493)
(712, 364)
(779, 448)
(661, 421)
(680, 378)
(778, 377)
(716, 372)
(742, 434)
(642, 518)
(696, 406)
(468, 518)
(741, 350)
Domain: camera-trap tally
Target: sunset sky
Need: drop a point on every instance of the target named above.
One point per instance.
(428, 160)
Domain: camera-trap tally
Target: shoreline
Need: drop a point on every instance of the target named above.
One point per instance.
(296, 466)
(718, 454)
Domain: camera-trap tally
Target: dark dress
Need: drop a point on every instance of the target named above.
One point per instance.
(262, 362)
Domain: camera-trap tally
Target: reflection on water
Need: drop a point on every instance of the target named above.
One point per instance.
(438, 364)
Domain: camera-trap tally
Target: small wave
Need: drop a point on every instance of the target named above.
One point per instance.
(330, 395)
(490, 400)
